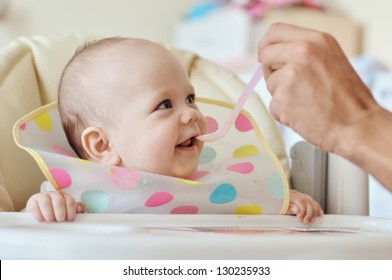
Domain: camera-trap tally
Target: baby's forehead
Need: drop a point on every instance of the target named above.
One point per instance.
(139, 47)
(133, 62)
(136, 55)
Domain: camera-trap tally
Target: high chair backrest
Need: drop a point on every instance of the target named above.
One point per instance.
(30, 69)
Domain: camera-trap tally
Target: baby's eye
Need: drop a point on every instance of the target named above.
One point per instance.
(166, 104)
(190, 99)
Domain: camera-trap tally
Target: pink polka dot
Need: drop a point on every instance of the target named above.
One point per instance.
(23, 126)
(185, 209)
(62, 151)
(124, 178)
(61, 177)
(243, 167)
(158, 199)
(212, 125)
(197, 175)
(243, 124)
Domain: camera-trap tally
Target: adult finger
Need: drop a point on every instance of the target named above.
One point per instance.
(284, 77)
(284, 33)
(277, 55)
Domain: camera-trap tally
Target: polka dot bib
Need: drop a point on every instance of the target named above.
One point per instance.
(236, 175)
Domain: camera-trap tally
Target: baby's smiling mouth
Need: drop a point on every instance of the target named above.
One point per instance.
(187, 143)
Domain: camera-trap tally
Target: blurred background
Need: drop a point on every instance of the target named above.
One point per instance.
(157, 20)
(226, 32)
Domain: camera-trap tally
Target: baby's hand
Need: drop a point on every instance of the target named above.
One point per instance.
(53, 206)
(304, 207)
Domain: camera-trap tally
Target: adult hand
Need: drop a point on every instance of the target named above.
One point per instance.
(315, 89)
(318, 94)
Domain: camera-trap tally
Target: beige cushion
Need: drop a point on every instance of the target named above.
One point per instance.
(30, 69)
(5, 199)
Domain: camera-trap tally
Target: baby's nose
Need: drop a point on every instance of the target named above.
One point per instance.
(190, 114)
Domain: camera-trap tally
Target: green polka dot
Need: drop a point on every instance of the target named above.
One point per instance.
(276, 186)
(208, 154)
(95, 201)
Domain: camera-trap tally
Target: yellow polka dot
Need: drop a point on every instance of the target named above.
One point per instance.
(190, 182)
(43, 122)
(82, 160)
(248, 210)
(82, 163)
(245, 151)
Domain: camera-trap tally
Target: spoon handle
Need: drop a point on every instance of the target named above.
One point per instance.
(237, 109)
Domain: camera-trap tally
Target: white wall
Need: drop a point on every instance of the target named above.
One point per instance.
(376, 17)
(155, 19)
(150, 19)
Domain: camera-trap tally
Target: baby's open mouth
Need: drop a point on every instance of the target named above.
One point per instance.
(188, 143)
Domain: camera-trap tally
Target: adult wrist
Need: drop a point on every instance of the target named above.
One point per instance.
(364, 141)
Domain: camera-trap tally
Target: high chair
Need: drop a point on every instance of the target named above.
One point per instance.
(29, 74)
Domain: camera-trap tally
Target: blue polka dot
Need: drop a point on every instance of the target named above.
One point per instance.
(275, 186)
(95, 201)
(208, 154)
(224, 193)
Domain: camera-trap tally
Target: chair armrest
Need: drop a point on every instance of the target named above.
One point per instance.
(338, 185)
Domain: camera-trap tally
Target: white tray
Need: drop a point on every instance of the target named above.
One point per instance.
(128, 236)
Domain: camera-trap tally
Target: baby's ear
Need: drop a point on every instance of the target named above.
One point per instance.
(97, 145)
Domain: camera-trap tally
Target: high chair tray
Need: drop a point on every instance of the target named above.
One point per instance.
(138, 236)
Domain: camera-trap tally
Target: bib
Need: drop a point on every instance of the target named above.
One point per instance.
(236, 175)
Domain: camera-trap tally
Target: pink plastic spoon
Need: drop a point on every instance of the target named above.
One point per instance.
(223, 130)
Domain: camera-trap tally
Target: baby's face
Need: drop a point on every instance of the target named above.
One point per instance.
(156, 128)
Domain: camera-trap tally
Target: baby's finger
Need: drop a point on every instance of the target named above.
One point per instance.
(33, 208)
(293, 209)
(302, 211)
(80, 207)
(59, 206)
(310, 213)
(318, 211)
(46, 207)
(71, 207)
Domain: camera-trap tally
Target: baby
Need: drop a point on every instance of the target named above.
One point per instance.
(129, 103)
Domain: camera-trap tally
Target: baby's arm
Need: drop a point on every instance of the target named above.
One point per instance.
(53, 206)
(304, 207)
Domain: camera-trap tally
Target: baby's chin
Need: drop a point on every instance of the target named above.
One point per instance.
(183, 174)
(178, 173)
